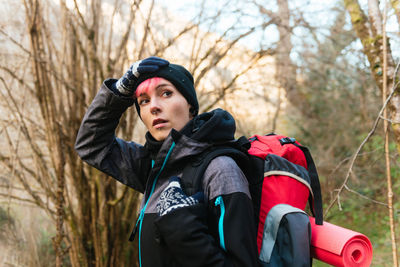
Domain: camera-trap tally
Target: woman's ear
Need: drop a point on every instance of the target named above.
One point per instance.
(192, 112)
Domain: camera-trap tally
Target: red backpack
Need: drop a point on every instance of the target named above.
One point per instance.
(282, 178)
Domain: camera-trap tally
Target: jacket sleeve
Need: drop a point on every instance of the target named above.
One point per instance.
(221, 232)
(97, 145)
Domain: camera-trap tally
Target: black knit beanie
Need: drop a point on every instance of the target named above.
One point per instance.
(180, 78)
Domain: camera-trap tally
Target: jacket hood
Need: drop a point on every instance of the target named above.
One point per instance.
(212, 127)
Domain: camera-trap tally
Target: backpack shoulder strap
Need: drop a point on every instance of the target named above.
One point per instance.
(193, 173)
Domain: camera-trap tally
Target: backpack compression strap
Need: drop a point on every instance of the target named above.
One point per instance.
(315, 185)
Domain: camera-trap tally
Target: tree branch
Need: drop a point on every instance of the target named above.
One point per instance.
(342, 187)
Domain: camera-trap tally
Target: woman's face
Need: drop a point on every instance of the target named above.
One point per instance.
(162, 107)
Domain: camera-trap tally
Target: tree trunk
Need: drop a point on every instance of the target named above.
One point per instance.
(367, 30)
(285, 68)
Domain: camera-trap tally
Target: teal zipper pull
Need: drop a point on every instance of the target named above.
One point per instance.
(220, 202)
(134, 231)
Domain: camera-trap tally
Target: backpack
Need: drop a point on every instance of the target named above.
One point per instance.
(282, 177)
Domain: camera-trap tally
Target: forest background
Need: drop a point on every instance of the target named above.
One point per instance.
(317, 70)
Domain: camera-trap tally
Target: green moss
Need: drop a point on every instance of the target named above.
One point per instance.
(356, 14)
(395, 4)
(377, 65)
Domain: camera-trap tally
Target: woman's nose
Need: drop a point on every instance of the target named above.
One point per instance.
(155, 106)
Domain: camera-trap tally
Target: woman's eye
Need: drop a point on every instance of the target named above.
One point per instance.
(167, 93)
(143, 101)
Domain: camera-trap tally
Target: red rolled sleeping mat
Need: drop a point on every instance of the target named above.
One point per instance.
(339, 246)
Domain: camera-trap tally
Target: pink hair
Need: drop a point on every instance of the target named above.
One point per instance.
(145, 86)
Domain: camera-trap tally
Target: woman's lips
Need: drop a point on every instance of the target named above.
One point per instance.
(158, 123)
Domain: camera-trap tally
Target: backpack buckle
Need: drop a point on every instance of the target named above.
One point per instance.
(287, 140)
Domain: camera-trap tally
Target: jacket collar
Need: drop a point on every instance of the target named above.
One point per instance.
(217, 126)
(185, 148)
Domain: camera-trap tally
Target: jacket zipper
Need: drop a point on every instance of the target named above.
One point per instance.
(141, 215)
(139, 218)
(220, 202)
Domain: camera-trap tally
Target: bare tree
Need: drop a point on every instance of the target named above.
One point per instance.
(285, 68)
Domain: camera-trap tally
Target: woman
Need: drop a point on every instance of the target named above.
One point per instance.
(212, 228)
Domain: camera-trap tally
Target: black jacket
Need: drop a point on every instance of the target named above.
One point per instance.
(219, 232)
